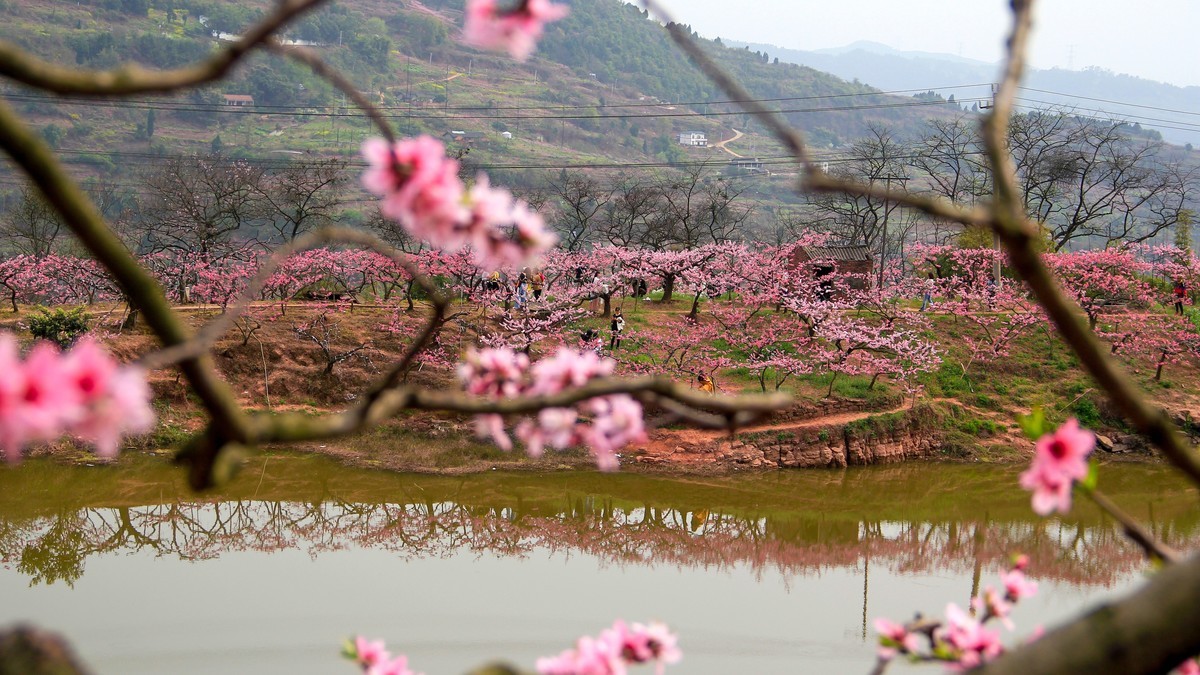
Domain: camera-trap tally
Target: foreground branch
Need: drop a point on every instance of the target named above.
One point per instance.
(36, 159)
(1151, 631)
(16, 64)
(295, 427)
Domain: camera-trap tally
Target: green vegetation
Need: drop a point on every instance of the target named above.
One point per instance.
(62, 326)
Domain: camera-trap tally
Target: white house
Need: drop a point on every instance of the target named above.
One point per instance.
(695, 139)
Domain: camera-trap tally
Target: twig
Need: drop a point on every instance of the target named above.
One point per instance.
(310, 59)
(1152, 546)
(295, 427)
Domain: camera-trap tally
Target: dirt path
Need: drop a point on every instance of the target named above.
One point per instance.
(736, 135)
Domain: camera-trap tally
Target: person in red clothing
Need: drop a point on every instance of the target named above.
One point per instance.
(1180, 294)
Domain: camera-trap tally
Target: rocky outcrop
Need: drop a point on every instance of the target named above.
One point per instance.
(896, 437)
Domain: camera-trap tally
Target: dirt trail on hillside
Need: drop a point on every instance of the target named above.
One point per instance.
(736, 135)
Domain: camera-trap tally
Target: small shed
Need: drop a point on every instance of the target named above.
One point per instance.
(239, 100)
(855, 260)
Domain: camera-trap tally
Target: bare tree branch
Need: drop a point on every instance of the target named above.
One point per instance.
(16, 64)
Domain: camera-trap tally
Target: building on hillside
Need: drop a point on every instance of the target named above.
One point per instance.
(747, 165)
(855, 261)
(695, 139)
(239, 100)
(464, 137)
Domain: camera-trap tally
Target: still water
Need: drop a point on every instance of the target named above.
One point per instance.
(773, 573)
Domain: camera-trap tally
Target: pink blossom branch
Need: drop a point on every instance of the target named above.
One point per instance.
(294, 427)
(16, 64)
(1019, 235)
(35, 158)
(1151, 631)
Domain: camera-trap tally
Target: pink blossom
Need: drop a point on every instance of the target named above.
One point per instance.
(591, 656)
(992, 605)
(568, 368)
(83, 392)
(614, 649)
(516, 30)
(617, 422)
(420, 188)
(492, 426)
(971, 642)
(895, 639)
(1016, 586)
(375, 659)
(1059, 460)
(493, 372)
(114, 401)
(555, 427)
(369, 653)
(1189, 667)
(641, 643)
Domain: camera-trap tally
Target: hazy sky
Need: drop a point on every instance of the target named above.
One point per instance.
(1155, 39)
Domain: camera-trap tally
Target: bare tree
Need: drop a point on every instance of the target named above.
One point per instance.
(634, 208)
(302, 196)
(32, 226)
(950, 158)
(197, 204)
(580, 200)
(860, 219)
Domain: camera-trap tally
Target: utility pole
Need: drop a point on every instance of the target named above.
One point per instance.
(887, 187)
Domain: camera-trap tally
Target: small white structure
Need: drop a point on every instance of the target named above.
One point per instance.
(506, 135)
(695, 139)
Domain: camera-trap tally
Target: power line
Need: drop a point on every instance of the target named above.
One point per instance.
(1105, 100)
(410, 115)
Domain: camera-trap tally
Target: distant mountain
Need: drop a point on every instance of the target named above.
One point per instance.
(1171, 110)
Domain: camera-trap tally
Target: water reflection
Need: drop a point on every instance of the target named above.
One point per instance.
(911, 520)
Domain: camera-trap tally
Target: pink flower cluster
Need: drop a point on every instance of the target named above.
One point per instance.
(375, 659)
(614, 650)
(421, 189)
(515, 30)
(616, 419)
(1059, 460)
(963, 640)
(82, 392)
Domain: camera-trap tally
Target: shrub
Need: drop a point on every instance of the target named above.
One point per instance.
(1086, 412)
(60, 326)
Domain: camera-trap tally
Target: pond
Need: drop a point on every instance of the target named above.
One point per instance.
(765, 573)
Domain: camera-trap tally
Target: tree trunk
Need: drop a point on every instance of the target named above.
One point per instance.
(695, 307)
(668, 287)
(130, 319)
(1151, 631)
(607, 305)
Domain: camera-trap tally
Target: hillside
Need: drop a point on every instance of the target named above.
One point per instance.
(607, 88)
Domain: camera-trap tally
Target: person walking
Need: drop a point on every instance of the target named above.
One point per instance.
(537, 284)
(618, 327)
(520, 294)
(1180, 293)
(927, 297)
